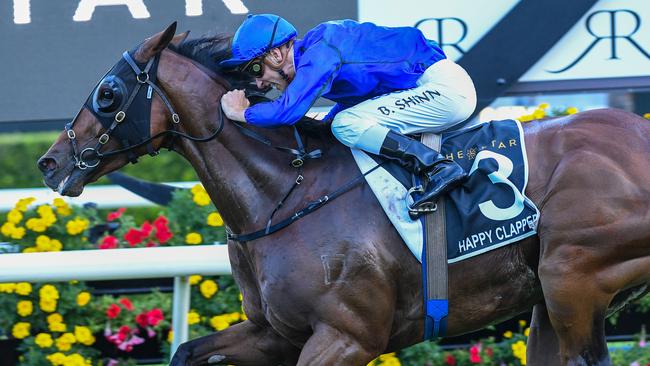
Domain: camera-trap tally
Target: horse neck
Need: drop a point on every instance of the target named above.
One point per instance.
(244, 178)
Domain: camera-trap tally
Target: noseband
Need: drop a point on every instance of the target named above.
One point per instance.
(110, 101)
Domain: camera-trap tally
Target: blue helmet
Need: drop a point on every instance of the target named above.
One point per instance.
(257, 35)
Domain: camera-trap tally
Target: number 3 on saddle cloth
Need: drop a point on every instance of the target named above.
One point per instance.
(487, 212)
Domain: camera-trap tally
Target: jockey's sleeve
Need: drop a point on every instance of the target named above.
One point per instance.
(315, 70)
(336, 109)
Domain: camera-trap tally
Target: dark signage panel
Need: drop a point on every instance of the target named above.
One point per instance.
(54, 51)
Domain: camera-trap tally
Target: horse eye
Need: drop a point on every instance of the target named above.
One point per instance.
(107, 94)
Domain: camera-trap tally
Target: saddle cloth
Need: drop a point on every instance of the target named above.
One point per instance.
(487, 212)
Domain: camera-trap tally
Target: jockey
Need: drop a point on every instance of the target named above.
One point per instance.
(386, 82)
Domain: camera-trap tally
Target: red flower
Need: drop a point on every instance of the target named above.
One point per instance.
(113, 311)
(115, 214)
(109, 242)
(450, 360)
(134, 236)
(151, 244)
(154, 317)
(474, 354)
(126, 303)
(146, 228)
(161, 222)
(163, 235)
(490, 352)
(142, 320)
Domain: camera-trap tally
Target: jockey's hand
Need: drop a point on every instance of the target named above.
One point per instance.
(234, 104)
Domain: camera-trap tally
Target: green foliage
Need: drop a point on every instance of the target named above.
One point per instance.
(20, 151)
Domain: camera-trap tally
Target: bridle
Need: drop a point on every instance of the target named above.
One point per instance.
(90, 157)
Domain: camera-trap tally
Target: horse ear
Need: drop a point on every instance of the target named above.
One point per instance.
(178, 39)
(156, 43)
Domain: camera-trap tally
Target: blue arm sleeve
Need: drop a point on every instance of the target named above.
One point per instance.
(336, 109)
(314, 75)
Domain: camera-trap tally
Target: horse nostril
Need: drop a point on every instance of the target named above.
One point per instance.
(46, 165)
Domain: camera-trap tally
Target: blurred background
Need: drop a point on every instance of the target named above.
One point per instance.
(529, 60)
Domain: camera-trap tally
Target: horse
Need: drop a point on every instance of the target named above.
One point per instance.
(338, 286)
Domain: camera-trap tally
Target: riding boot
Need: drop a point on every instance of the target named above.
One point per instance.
(442, 175)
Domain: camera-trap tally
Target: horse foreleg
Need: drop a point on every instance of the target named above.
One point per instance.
(329, 346)
(543, 348)
(241, 344)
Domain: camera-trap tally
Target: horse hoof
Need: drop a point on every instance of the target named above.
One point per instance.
(216, 359)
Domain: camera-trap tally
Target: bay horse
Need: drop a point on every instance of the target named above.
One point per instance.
(339, 287)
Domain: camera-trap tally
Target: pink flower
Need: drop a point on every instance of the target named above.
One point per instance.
(109, 242)
(113, 311)
(115, 214)
(474, 354)
(126, 303)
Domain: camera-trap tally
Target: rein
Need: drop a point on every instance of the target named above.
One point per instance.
(142, 76)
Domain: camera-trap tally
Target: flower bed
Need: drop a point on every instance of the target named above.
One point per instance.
(65, 324)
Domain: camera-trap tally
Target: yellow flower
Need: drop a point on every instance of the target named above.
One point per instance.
(23, 203)
(241, 297)
(54, 318)
(198, 188)
(76, 359)
(36, 225)
(14, 216)
(543, 106)
(219, 322)
(7, 228)
(84, 335)
(519, 351)
(44, 210)
(47, 305)
(48, 292)
(18, 233)
(83, 298)
(57, 359)
(572, 110)
(8, 287)
(193, 317)
(507, 334)
(193, 238)
(201, 199)
(43, 243)
(20, 330)
(527, 332)
(23, 288)
(522, 323)
(208, 288)
(56, 245)
(233, 317)
(62, 207)
(214, 219)
(194, 279)
(539, 114)
(57, 327)
(526, 118)
(76, 226)
(170, 336)
(65, 341)
(30, 250)
(24, 308)
(44, 340)
(646, 116)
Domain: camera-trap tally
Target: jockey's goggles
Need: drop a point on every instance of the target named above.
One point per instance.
(255, 67)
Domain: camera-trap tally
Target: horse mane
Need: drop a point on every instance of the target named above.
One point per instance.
(210, 50)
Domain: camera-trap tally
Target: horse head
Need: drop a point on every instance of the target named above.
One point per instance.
(129, 113)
